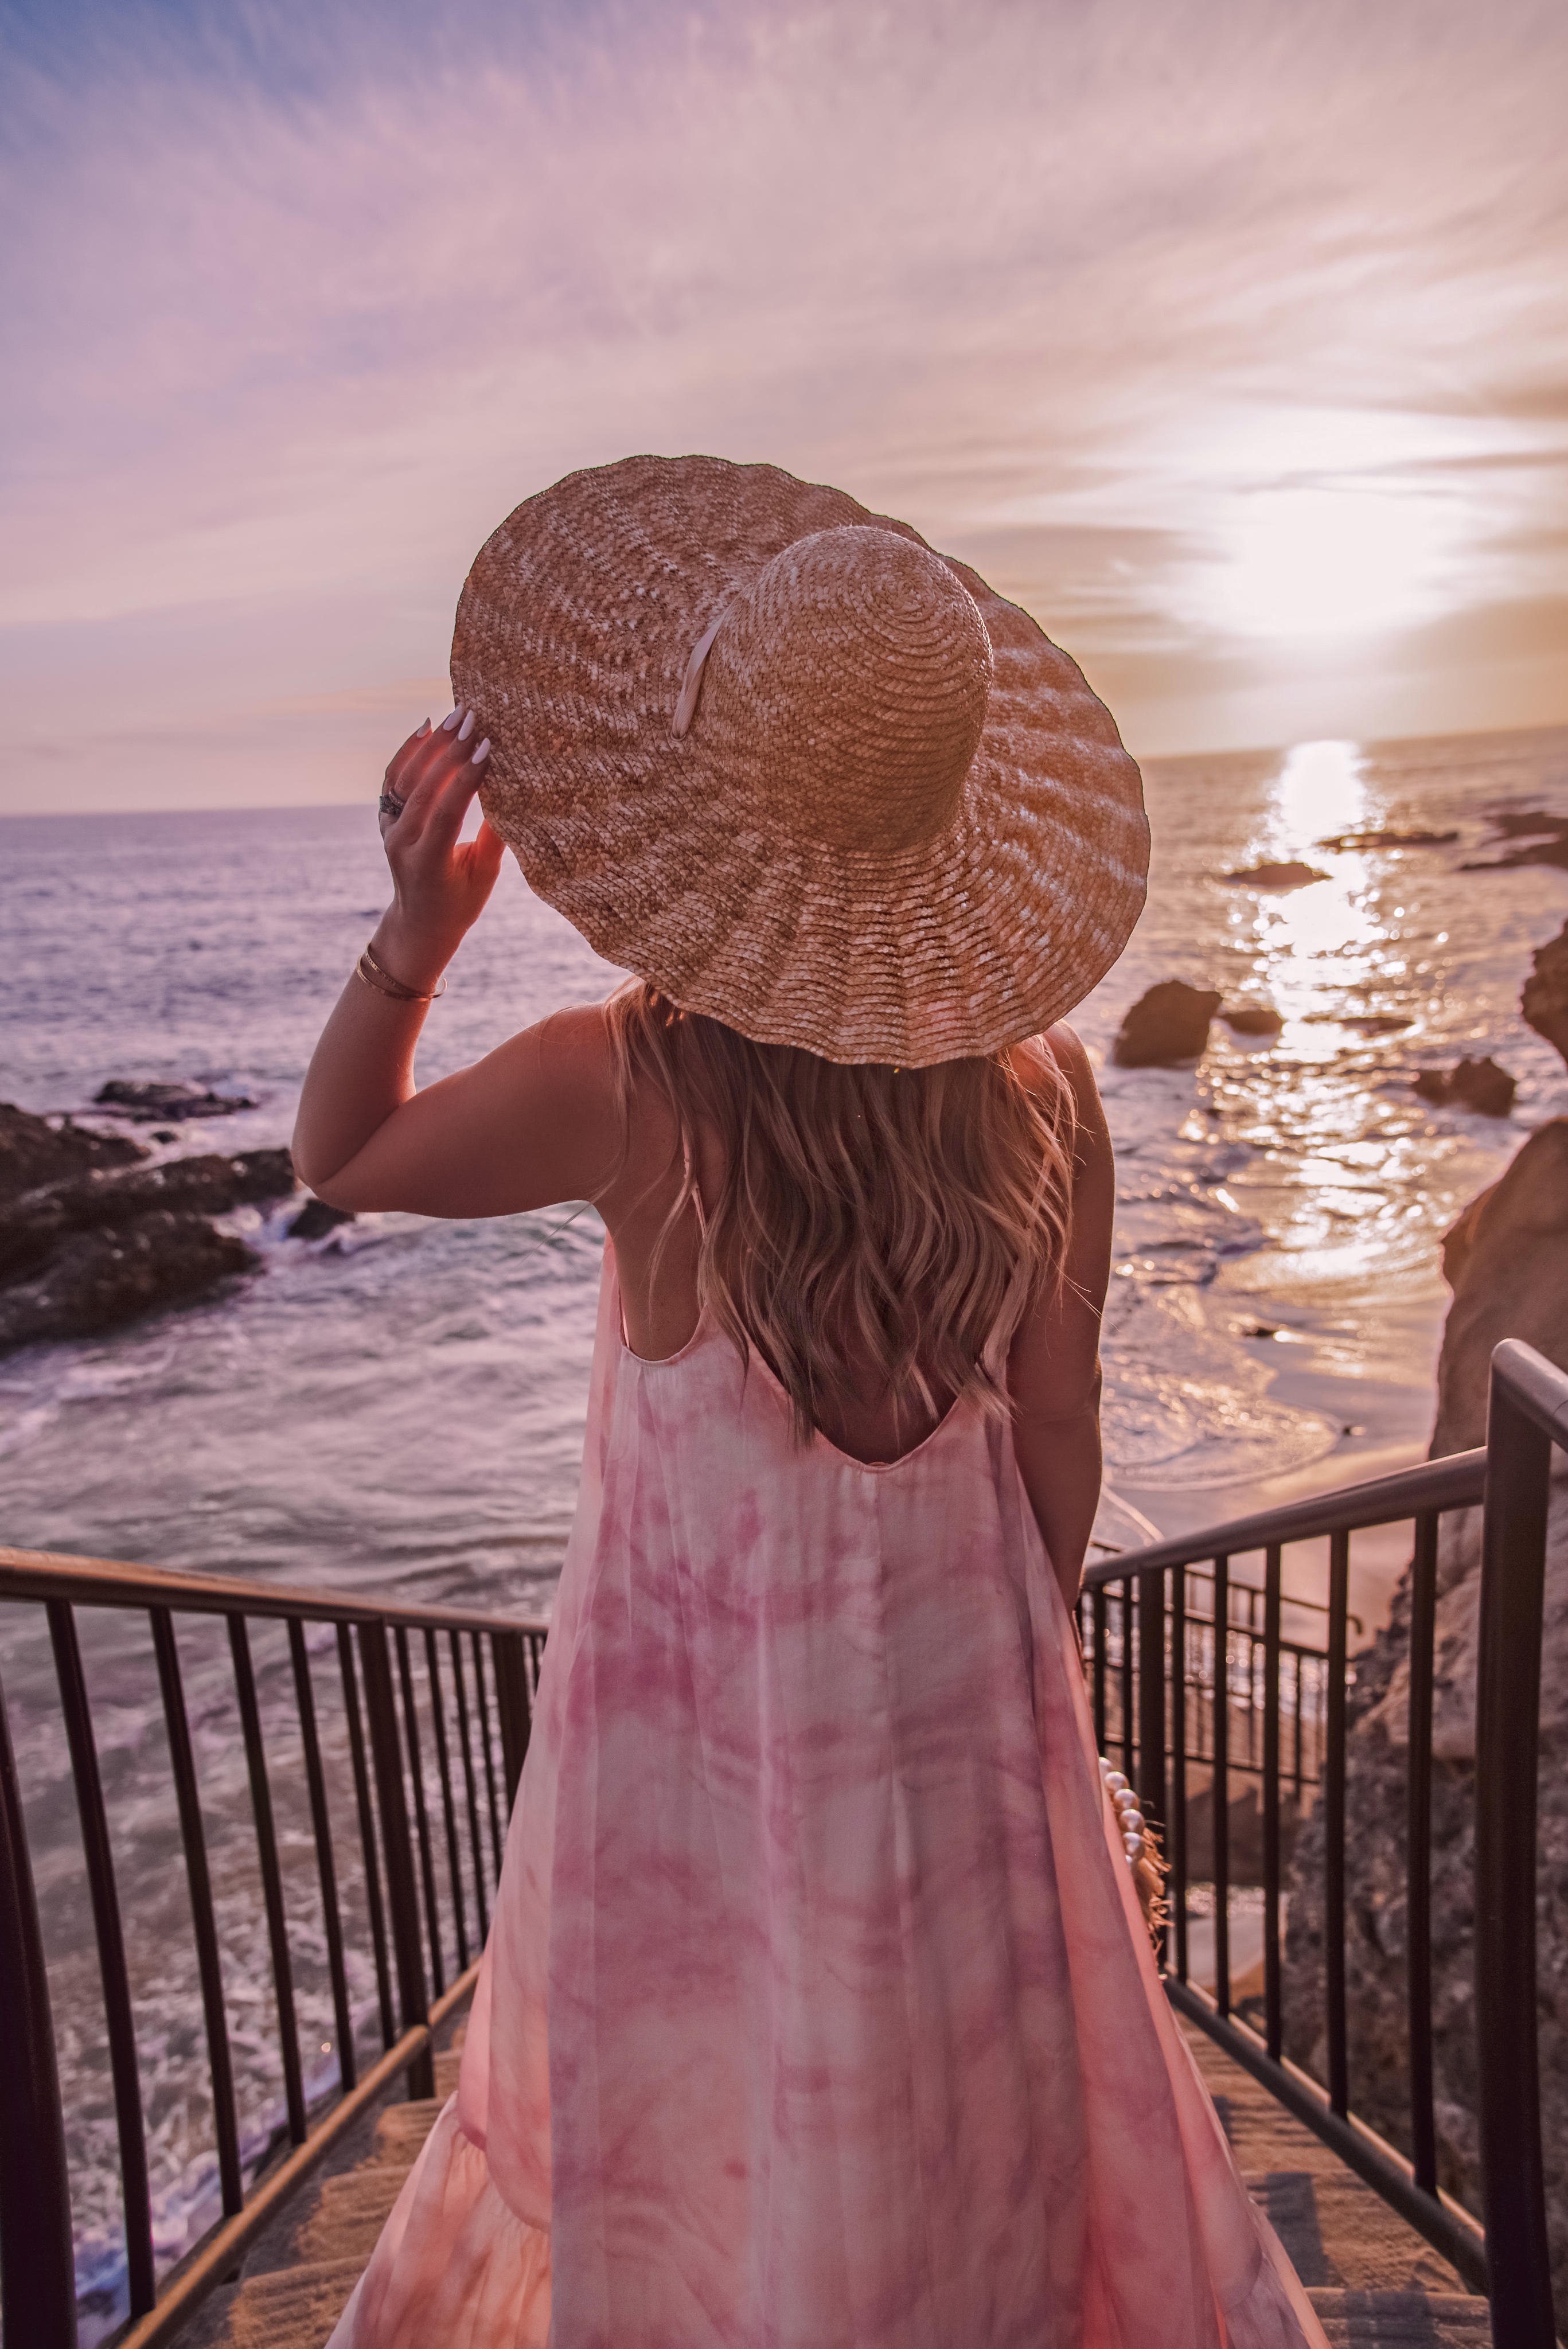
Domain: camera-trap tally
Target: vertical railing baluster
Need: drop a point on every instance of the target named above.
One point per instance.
(1274, 2016)
(1418, 1852)
(38, 2273)
(1101, 1614)
(1220, 1786)
(402, 1897)
(98, 1852)
(325, 1866)
(470, 1785)
(1151, 1667)
(1179, 1767)
(1333, 1824)
(443, 1764)
(422, 1821)
(1508, 1755)
(482, 1716)
(512, 1705)
(1129, 1684)
(271, 1875)
(209, 1967)
(366, 1834)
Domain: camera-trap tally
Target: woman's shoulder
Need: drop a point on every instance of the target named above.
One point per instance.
(1057, 1053)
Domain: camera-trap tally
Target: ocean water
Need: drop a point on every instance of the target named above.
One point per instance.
(399, 1407)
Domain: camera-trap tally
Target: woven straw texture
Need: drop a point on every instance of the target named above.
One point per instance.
(899, 827)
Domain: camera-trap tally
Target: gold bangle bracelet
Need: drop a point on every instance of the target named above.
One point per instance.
(374, 973)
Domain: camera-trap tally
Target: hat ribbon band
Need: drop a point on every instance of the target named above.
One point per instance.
(691, 686)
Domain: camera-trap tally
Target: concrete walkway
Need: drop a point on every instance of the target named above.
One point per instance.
(1373, 2281)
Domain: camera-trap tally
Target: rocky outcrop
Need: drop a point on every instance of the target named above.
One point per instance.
(148, 1100)
(1507, 1260)
(1544, 1002)
(1168, 1025)
(1478, 1085)
(34, 1151)
(94, 1279)
(109, 1242)
(1543, 837)
(1294, 875)
(32, 1226)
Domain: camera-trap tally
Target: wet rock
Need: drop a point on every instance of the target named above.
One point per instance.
(95, 1279)
(1344, 840)
(1507, 1260)
(1544, 1001)
(1370, 1023)
(1168, 1025)
(1478, 1085)
(33, 1226)
(148, 1100)
(33, 1151)
(1294, 875)
(1252, 1019)
(1543, 839)
(315, 1220)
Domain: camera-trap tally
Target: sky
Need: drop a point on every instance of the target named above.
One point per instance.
(1228, 336)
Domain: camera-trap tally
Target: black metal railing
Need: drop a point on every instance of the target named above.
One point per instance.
(338, 1723)
(1191, 1692)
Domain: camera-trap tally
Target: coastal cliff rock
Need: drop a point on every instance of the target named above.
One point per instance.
(1507, 1260)
(1168, 1025)
(109, 1242)
(96, 1280)
(1544, 1002)
(1478, 1085)
(33, 1151)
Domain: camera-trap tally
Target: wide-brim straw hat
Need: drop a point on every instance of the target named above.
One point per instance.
(769, 752)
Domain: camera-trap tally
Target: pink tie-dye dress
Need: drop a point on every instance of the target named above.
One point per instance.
(817, 2012)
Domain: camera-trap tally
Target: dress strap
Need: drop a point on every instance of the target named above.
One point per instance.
(692, 1176)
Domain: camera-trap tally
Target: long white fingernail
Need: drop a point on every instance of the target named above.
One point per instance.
(424, 729)
(466, 728)
(481, 753)
(451, 720)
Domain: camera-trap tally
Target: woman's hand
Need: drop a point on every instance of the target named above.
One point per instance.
(440, 888)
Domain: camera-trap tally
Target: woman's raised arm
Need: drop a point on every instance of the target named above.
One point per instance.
(530, 1124)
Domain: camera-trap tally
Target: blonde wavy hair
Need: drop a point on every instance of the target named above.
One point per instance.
(871, 1220)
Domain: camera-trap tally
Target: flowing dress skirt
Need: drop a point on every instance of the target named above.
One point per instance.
(817, 2012)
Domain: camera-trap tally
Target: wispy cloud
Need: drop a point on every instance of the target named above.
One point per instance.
(1158, 313)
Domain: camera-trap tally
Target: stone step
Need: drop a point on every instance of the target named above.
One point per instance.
(349, 2214)
(402, 2129)
(288, 2308)
(1402, 2320)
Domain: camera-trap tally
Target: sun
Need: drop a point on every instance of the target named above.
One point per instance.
(1319, 560)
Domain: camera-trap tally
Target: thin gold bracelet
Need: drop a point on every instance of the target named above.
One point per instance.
(373, 973)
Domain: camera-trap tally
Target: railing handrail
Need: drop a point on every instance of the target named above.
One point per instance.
(1455, 1482)
(109, 1582)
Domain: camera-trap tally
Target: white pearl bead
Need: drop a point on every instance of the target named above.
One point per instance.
(1115, 1780)
(1132, 1844)
(1131, 1823)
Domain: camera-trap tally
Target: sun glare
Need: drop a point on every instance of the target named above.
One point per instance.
(1321, 789)
(1314, 560)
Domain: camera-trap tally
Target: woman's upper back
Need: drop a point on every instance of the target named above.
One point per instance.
(548, 1117)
